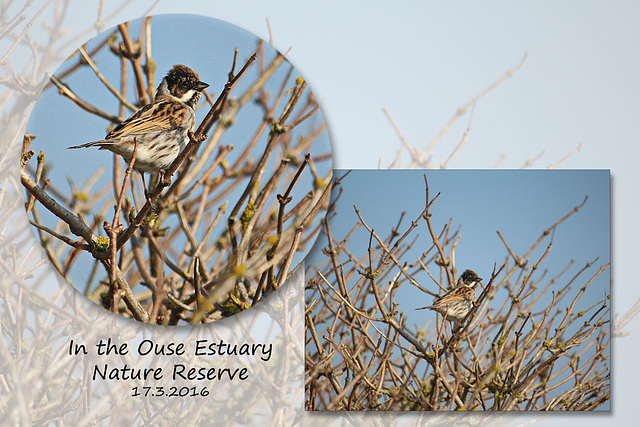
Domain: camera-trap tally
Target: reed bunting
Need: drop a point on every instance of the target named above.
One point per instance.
(162, 127)
(456, 303)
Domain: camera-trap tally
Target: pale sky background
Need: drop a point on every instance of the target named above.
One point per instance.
(423, 59)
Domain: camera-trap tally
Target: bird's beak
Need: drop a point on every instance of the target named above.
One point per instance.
(202, 85)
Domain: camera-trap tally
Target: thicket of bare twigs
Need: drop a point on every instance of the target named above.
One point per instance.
(217, 233)
(515, 351)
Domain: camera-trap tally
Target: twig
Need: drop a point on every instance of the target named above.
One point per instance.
(115, 228)
(64, 90)
(194, 140)
(104, 80)
(143, 97)
(76, 225)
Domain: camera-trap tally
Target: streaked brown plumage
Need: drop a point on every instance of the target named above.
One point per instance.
(456, 303)
(162, 127)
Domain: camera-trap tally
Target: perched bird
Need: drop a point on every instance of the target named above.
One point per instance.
(456, 303)
(162, 127)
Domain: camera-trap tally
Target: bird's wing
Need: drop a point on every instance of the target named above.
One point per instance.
(161, 115)
(457, 294)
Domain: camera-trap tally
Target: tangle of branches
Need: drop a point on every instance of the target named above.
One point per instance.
(217, 232)
(513, 351)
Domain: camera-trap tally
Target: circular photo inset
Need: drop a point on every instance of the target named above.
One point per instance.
(177, 169)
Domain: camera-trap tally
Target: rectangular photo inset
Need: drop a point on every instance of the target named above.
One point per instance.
(461, 290)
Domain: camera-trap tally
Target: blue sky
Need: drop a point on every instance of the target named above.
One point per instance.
(204, 44)
(58, 123)
(521, 204)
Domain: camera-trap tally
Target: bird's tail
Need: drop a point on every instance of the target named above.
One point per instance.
(100, 143)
